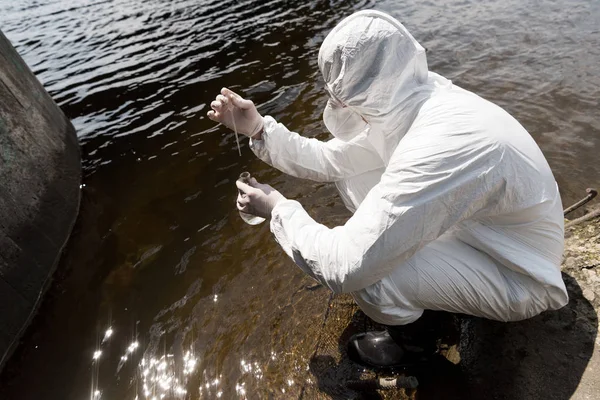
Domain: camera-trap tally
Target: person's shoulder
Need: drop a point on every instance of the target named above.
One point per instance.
(457, 112)
(451, 124)
(454, 101)
(448, 113)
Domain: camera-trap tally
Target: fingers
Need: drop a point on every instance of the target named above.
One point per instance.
(216, 112)
(243, 207)
(224, 101)
(229, 93)
(241, 103)
(237, 100)
(216, 105)
(242, 202)
(251, 186)
(244, 187)
(219, 107)
(213, 115)
(254, 184)
(263, 187)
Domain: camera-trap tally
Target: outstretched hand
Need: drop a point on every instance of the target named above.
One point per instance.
(235, 112)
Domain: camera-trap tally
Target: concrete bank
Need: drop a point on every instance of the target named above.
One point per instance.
(40, 174)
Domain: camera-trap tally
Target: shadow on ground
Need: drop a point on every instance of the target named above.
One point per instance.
(541, 358)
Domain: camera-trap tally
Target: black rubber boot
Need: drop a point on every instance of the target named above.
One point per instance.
(397, 346)
(378, 349)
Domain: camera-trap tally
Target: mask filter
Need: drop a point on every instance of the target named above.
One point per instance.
(343, 122)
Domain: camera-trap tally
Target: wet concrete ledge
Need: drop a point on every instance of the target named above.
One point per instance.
(40, 174)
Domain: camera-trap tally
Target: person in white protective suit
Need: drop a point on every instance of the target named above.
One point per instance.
(454, 205)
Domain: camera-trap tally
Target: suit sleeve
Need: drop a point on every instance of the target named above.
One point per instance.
(313, 159)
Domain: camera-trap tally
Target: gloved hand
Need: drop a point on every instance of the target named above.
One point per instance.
(230, 107)
(257, 199)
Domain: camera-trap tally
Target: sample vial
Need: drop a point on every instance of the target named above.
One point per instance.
(248, 218)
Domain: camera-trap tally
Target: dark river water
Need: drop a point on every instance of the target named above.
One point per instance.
(163, 291)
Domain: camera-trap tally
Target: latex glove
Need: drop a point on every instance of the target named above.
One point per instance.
(230, 107)
(257, 199)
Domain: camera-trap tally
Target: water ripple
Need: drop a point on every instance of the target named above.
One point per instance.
(213, 305)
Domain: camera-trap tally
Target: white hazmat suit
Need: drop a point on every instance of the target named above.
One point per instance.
(455, 207)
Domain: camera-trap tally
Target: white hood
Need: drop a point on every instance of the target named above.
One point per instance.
(373, 65)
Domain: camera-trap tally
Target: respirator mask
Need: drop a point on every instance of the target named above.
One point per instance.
(343, 122)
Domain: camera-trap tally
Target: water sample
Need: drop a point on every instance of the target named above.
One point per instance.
(249, 218)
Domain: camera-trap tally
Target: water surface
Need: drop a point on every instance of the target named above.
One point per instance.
(198, 304)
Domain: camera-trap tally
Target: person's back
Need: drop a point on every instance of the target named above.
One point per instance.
(524, 231)
(515, 212)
